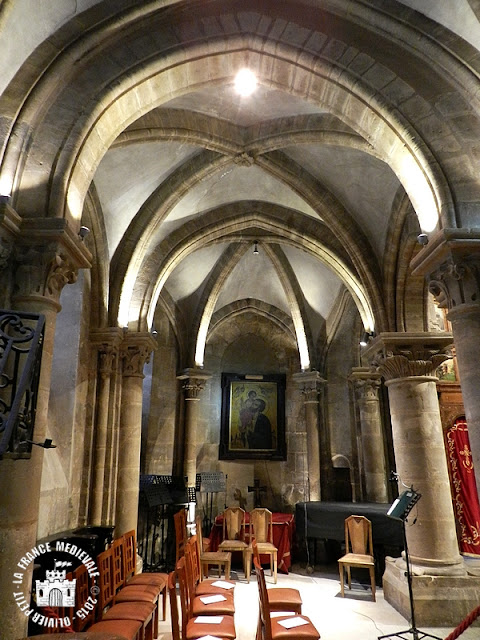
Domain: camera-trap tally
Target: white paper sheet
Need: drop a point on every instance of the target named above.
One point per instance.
(211, 599)
(223, 584)
(292, 622)
(209, 619)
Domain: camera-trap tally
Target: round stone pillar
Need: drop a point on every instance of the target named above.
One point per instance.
(107, 358)
(421, 463)
(465, 321)
(442, 589)
(135, 352)
(372, 454)
(451, 265)
(193, 383)
(45, 259)
(309, 384)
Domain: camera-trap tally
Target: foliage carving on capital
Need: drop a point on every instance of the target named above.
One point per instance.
(42, 271)
(456, 282)
(393, 366)
(107, 355)
(367, 388)
(135, 357)
(192, 388)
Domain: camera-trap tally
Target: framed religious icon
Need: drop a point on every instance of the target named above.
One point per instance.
(253, 417)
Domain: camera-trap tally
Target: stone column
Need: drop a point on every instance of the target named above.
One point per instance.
(317, 458)
(135, 352)
(366, 386)
(193, 383)
(451, 264)
(407, 362)
(47, 257)
(108, 344)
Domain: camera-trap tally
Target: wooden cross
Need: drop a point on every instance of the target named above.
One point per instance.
(257, 489)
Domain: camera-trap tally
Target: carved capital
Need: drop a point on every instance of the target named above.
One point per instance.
(48, 255)
(135, 352)
(402, 355)
(451, 264)
(310, 385)
(193, 382)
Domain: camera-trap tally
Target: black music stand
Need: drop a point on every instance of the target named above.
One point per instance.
(155, 496)
(399, 510)
(210, 482)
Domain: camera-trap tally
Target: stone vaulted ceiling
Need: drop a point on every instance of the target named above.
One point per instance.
(332, 166)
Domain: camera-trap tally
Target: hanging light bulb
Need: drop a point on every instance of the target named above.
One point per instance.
(255, 248)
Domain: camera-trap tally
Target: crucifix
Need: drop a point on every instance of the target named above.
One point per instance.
(256, 490)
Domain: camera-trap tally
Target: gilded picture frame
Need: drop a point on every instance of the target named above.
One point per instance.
(253, 417)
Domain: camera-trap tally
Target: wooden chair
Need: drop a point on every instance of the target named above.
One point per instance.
(358, 550)
(234, 532)
(261, 528)
(207, 585)
(189, 626)
(125, 629)
(180, 522)
(224, 631)
(128, 549)
(279, 598)
(197, 604)
(145, 612)
(270, 628)
(219, 559)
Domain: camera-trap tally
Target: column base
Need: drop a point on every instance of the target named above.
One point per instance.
(439, 601)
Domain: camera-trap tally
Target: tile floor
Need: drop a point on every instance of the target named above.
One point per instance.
(354, 617)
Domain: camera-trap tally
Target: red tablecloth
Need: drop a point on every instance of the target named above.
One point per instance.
(283, 532)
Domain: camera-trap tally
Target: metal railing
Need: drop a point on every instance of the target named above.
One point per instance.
(21, 343)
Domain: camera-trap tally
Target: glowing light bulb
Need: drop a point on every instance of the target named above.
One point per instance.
(245, 82)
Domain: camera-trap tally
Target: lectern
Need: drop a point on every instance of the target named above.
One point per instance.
(399, 510)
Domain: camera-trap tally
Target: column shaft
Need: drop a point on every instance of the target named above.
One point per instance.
(421, 463)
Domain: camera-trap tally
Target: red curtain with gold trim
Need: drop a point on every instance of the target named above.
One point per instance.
(464, 488)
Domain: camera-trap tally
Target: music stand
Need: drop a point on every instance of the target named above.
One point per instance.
(210, 482)
(399, 510)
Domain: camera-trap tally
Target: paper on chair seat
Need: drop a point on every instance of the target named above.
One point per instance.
(209, 638)
(292, 622)
(210, 599)
(209, 619)
(223, 584)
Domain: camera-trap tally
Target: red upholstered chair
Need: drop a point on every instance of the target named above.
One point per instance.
(208, 586)
(272, 628)
(126, 629)
(146, 612)
(199, 605)
(193, 630)
(128, 550)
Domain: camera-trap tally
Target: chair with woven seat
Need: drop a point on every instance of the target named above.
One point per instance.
(261, 528)
(219, 559)
(193, 630)
(128, 549)
(358, 551)
(233, 528)
(272, 628)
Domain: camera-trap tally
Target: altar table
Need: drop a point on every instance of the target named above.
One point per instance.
(283, 532)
